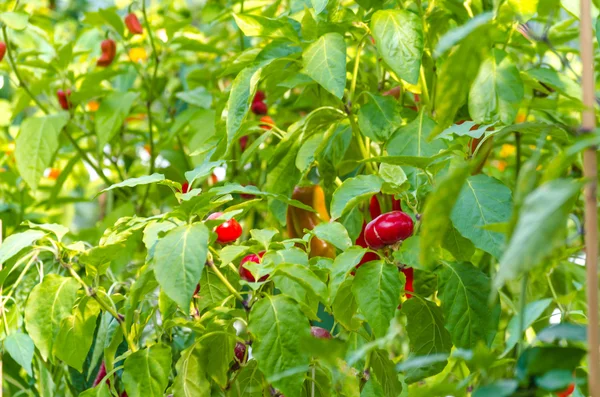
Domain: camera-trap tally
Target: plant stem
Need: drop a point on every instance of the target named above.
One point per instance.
(224, 280)
(361, 44)
(518, 153)
(522, 303)
(91, 293)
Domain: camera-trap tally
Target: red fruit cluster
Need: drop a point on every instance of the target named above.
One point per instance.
(109, 50)
(63, 99)
(320, 333)
(2, 50)
(133, 24)
(228, 231)
(245, 273)
(388, 229)
(258, 104)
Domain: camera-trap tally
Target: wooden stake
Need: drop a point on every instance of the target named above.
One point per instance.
(1, 310)
(591, 209)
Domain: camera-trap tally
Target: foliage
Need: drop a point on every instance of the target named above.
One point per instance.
(120, 176)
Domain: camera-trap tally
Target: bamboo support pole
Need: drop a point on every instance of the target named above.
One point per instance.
(591, 210)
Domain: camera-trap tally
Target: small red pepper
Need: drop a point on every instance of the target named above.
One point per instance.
(374, 207)
(2, 50)
(567, 392)
(259, 96)
(388, 229)
(245, 273)
(268, 120)
(320, 333)
(109, 50)
(228, 231)
(63, 98)
(240, 352)
(133, 24)
(409, 273)
(259, 107)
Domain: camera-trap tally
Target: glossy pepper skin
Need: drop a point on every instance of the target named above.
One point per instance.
(299, 219)
(133, 24)
(260, 96)
(245, 273)
(63, 99)
(228, 231)
(109, 50)
(259, 107)
(320, 333)
(388, 229)
(409, 273)
(567, 392)
(2, 50)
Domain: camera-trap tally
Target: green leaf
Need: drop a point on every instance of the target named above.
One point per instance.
(467, 128)
(482, 201)
(539, 360)
(457, 74)
(344, 306)
(197, 97)
(335, 233)
(435, 220)
(132, 182)
(279, 328)
(319, 5)
(76, 333)
(146, 371)
(501, 388)
(202, 171)
(325, 62)
(352, 191)
(379, 117)
(372, 389)
(258, 26)
(58, 230)
(385, 372)
(20, 347)
(541, 223)
(462, 249)
(454, 36)
(377, 287)
(15, 20)
(305, 277)
(249, 382)
(427, 336)
(36, 144)
(48, 304)
(240, 96)
(525, 8)
(16, 242)
(464, 292)
(179, 259)
(264, 236)
(112, 113)
(191, 378)
(342, 266)
(533, 311)
(497, 91)
(399, 39)
(111, 17)
(411, 140)
(563, 331)
(556, 81)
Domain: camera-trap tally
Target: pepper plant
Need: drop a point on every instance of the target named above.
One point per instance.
(292, 197)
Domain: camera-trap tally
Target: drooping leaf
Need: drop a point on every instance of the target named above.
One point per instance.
(18, 241)
(464, 292)
(279, 328)
(532, 312)
(259, 26)
(146, 371)
(379, 117)
(191, 377)
(21, 348)
(427, 335)
(305, 277)
(399, 39)
(76, 333)
(541, 222)
(112, 113)
(377, 287)
(240, 97)
(482, 201)
(385, 372)
(342, 266)
(15, 20)
(179, 259)
(48, 304)
(497, 90)
(325, 62)
(249, 382)
(344, 306)
(132, 182)
(36, 144)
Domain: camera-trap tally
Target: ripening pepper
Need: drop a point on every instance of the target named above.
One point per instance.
(2, 50)
(63, 98)
(109, 50)
(133, 24)
(299, 219)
